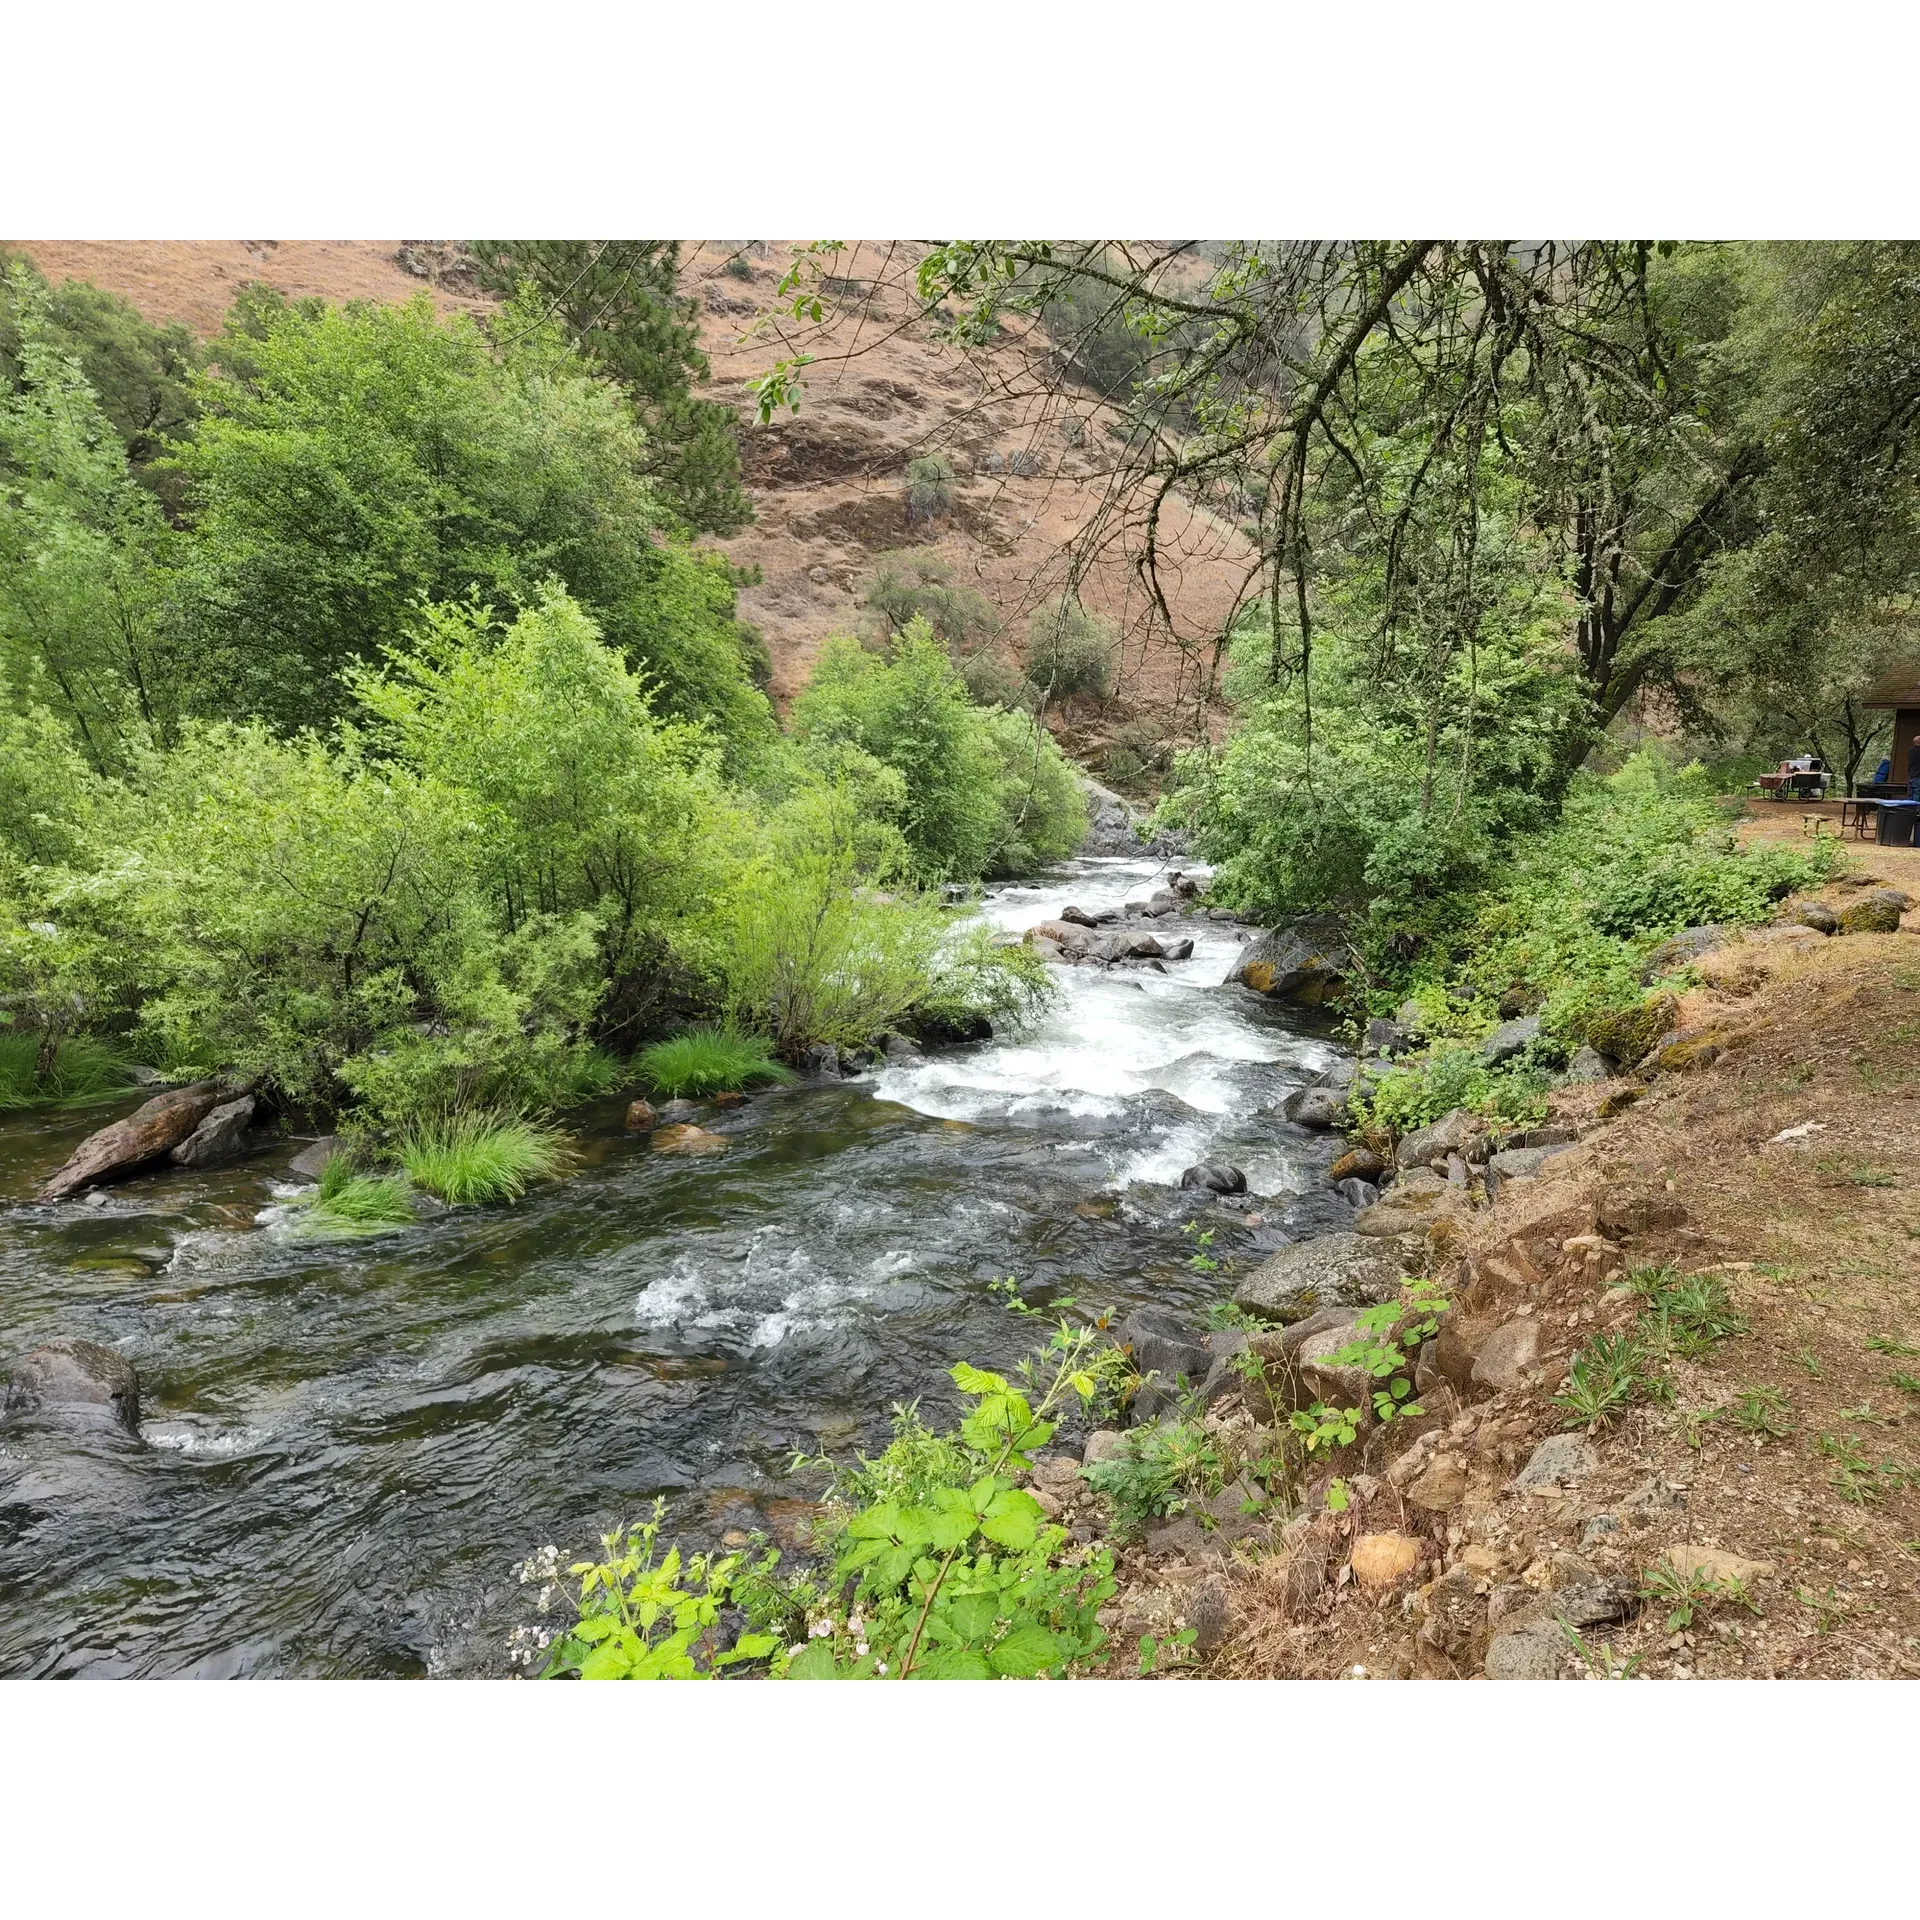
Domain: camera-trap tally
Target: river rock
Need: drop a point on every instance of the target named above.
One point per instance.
(1103, 1444)
(1587, 1064)
(675, 1111)
(1874, 914)
(1506, 1356)
(1357, 1163)
(311, 1161)
(684, 1139)
(1218, 1178)
(219, 1137)
(1386, 1038)
(1456, 1132)
(1627, 1034)
(1164, 1345)
(1510, 1038)
(1305, 962)
(1536, 1652)
(1322, 1108)
(1079, 917)
(1358, 1194)
(77, 1381)
(1340, 1269)
(1177, 950)
(641, 1117)
(1812, 913)
(144, 1135)
(1715, 1563)
(821, 1059)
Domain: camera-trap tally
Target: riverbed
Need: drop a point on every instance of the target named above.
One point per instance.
(347, 1447)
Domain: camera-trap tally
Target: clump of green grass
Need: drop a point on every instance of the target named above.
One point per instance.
(476, 1158)
(346, 1202)
(84, 1070)
(706, 1060)
(1685, 1315)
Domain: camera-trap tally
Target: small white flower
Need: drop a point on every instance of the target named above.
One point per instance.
(880, 1667)
(860, 1647)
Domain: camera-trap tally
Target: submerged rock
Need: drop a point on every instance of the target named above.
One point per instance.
(77, 1381)
(144, 1135)
(685, 1139)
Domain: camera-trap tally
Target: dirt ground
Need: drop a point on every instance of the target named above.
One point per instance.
(1789, 1166)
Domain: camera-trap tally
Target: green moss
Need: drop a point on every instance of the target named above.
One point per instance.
(1626, 1034)
(1870, 916)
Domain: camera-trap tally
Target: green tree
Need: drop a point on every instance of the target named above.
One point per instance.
(141, 373)
(621, 304)
(356, 462)
(83, 549)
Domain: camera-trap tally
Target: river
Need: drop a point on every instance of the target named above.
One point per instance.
(347, 1447)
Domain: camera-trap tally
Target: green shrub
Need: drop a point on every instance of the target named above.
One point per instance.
(477, 1158)
(1154, 1472)
(929, 487)
(708, 1060)
(919, 585)
(1071, 652)
(84, 1071)
(1415, 1092)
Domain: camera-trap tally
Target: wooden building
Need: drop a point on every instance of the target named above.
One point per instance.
(1899, 690)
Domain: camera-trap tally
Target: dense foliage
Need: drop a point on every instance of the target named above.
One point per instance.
(407, 758)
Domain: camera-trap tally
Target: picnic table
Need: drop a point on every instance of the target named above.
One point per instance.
(1858, 814)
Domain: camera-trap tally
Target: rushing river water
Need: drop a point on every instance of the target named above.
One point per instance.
(346, 1447)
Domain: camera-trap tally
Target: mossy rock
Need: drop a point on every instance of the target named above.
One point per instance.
(1871, 915)
(1688, 1052)
(1627, 1034)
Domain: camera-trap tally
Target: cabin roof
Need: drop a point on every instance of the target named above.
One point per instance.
(1898, 688)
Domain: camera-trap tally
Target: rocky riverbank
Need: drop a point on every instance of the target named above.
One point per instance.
(1729, 1227)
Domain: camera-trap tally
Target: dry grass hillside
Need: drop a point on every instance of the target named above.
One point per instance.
(829, 483)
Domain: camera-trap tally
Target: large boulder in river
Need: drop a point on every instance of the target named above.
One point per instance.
(1305, 962)
(1338, 1270)
(143, 1135)
(77, 1382)
(220, 1137)
(1216, 1178)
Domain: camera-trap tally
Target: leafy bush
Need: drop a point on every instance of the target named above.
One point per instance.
(476, 1159)
(942, 1567)
(1071, 652)
(981, 790)
(929, 487)
(1154, 1472)
(1417, 1092)
(918, 585)
(708, 1060)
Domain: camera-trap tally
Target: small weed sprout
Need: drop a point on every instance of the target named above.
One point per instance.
(1895, 1349)
(1599, 1659)
(1683, 1593)
(1761, 1411)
